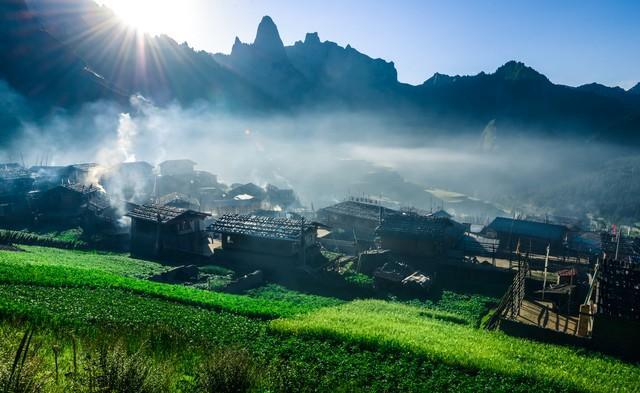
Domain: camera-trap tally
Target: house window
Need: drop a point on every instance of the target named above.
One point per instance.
(229, 239)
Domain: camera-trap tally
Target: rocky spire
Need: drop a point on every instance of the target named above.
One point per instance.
(268, 38)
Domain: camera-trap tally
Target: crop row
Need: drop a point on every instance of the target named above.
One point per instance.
(20, 237)
(60, 276)
(120, 264)
(396, 327)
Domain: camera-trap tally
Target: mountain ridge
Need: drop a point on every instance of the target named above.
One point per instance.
(269, 77)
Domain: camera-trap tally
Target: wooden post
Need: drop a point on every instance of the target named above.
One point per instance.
(583, 320)
(546, 264)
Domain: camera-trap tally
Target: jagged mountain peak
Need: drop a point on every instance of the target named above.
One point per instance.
(267, 37)
(312, 38)
(635, 89)
(518, 71)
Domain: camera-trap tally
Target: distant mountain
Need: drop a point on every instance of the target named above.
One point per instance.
(635, 89)
(157, 67)
(77, 51)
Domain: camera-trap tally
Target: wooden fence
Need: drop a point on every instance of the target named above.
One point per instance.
(509, 306)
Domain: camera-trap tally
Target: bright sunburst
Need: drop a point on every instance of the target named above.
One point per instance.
(150, 16)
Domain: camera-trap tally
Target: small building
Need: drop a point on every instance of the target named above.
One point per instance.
(46, 177)
(250, 189)
(64, 202)
(15, 184)
(177, 167)
(243, 204)
(163, 231)
(532, 236)
(14, 179)
(354, 220)
(81, 173)
(254, 235)
(415, 235)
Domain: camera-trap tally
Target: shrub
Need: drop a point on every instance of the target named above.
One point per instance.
(227, 371)
(115, 370)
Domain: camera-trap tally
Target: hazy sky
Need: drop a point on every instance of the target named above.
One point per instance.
(572, 42)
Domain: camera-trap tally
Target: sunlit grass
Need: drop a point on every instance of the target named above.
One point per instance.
(396, 327)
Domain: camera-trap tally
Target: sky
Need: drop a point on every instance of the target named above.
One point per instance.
(572, 42)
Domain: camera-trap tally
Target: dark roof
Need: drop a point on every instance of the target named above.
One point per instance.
(415, 224)
(164, 214)
(441, 213)
(526, 228)
(83, 167)
(177, 197)
(249, 189)
(81, 188)
(260, 226)
(365, 211)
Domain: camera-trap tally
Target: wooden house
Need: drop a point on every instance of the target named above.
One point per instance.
(15, 184)
(80, 173)
(64, 202)
(415, 235)
(532, 236)
(255, 235)
(354, 220)
(15, 179)
(163, 231)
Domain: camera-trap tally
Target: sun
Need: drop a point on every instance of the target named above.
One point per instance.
(149, 16)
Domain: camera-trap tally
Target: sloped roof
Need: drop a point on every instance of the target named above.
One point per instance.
(162, 214)
(365, 211)
(84, 167)
(177, 197)
(527, 228)
(81, 188)
(415, 224)
(248, 189)
(260, 226)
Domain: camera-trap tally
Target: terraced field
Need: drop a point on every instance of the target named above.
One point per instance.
(298, 342)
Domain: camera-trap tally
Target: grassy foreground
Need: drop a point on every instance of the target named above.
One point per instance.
(317, 344)
(396, 327)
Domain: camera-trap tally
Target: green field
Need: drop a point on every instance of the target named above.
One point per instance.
(396, 327)
(294, 341)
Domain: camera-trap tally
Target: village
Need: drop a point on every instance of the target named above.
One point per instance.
(558, 280)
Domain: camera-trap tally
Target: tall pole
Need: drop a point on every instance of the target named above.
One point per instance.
(546, 265)
(617, 243)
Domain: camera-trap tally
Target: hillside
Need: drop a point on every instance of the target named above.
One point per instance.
(435, 346)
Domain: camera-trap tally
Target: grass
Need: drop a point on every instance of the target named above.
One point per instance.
(55, 271)
(396, 327)
(120, 264)
(184, 336)
(471, 307)
(280, 293)
(318, 344)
